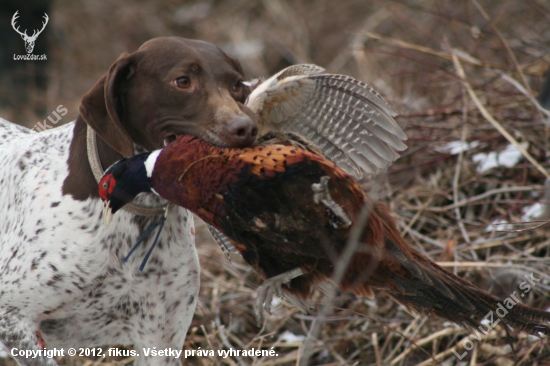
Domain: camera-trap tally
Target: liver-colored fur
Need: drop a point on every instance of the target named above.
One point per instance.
(61, 271)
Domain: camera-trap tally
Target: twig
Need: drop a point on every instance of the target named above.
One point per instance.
(417, 215)
(209, 342)
(444, 354)
(413, 330)
(505, 44)
(473, 264)
(374, 337)
(456, 177)
(423, 342)
(466, 201)
(427, 239)
(224, 338)
(528, 353)
(415, 47)
(500, 241)
(493, 121)
(525, 92)
(339, 271)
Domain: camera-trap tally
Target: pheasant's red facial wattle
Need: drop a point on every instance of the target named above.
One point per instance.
(106, 186)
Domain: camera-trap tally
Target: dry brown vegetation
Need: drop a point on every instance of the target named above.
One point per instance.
(456, 71)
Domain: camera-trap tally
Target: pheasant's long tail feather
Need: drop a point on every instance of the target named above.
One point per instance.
(423, 286)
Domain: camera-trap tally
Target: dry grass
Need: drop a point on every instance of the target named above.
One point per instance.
(456, 71)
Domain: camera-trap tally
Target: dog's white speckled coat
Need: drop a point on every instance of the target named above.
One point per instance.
(61, 269)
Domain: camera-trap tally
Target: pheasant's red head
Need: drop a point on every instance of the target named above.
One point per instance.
(106, 186)
(122, 182)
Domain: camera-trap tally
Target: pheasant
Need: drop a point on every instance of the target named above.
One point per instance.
(347, 119)
(290, 213)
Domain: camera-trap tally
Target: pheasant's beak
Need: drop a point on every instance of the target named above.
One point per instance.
(107, 213)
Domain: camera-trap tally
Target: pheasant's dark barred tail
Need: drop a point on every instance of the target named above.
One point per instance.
(429, 289)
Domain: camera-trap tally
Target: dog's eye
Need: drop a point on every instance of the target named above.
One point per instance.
(182, 82)
(237, 87)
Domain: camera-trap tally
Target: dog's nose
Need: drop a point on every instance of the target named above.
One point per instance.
(242, 131)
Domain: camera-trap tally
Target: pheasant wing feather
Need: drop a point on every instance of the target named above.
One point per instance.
(301, 69)
(346, 118)
(223, 242)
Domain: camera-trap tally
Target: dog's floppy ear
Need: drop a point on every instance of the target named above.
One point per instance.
(100, 106)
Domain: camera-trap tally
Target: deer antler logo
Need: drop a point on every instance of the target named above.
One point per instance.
(29, 41)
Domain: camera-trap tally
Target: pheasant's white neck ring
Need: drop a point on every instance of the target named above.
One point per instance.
(150, 162)
(97, 170)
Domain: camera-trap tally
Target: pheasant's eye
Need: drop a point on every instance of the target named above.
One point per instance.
(237, 87)
(105, 186)
(182, 82)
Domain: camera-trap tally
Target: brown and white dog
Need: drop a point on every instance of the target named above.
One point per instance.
(62, 279)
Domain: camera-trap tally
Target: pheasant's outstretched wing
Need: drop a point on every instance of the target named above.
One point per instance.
(347, 119)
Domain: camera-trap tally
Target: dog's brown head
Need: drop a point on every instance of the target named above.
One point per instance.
(170, 86)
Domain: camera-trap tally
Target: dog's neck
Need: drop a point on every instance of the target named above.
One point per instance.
(80, 182)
